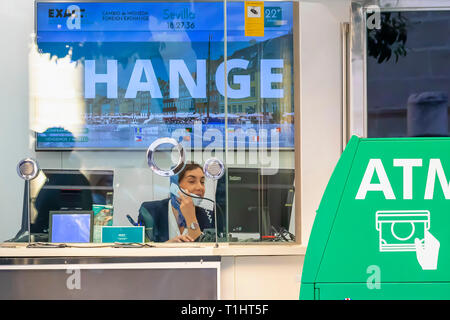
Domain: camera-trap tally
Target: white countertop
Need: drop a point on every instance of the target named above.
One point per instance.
(161, 250)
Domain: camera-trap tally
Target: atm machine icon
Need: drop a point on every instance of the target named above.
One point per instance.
(399, 229)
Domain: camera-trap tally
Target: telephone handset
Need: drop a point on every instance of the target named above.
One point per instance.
(175, 190)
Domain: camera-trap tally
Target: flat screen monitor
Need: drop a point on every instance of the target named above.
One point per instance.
(71, 226)
(68, 190)
(257, 201)
(132, 72)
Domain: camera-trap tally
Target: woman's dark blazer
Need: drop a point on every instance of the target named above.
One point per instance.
(154, 216)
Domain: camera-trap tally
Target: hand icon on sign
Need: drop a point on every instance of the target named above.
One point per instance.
(427, 251)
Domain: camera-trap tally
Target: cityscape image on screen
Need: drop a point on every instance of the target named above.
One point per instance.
(157, 69)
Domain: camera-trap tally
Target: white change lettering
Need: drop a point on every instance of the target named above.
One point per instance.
(178, 69)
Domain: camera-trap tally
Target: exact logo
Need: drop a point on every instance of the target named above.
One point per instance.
(61, 13)
(73, 14)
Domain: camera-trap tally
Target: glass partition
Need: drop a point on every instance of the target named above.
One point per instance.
(260, 124)
(154, 122)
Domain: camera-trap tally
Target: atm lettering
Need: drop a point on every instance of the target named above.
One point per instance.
(435, 169)
(408, 165)
(376, 167)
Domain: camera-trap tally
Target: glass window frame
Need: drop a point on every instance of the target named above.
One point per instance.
(296, 101)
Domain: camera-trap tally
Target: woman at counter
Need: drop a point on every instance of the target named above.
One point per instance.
(177, 219)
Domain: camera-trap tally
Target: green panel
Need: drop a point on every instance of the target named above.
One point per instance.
(353, 250)
(326, 213)
(307, 291)
(386, 291)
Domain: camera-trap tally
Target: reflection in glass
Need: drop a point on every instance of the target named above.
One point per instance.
(159, 72)
(115, 77)
(162, 154)
(408, 75)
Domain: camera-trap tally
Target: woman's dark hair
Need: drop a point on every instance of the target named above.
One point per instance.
(189, 167)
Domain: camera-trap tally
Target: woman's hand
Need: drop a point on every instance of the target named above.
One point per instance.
(185, 238)
(187, 207)
(188, 210)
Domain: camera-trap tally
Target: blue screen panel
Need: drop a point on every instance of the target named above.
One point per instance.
(155, 69)
(71, 228)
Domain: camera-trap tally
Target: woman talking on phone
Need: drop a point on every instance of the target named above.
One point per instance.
(178, 219)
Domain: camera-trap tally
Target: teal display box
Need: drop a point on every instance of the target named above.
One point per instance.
(112, 234)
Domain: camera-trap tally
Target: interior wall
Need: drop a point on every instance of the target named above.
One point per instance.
(17, 22)
(320, 134)
(321, 100)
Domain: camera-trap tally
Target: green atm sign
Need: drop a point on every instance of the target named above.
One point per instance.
(405, 230)
(376, 167)
(382, 230)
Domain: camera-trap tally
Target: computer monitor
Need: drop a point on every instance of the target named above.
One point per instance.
(67, 190)
(71, 226)
(258, 201)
